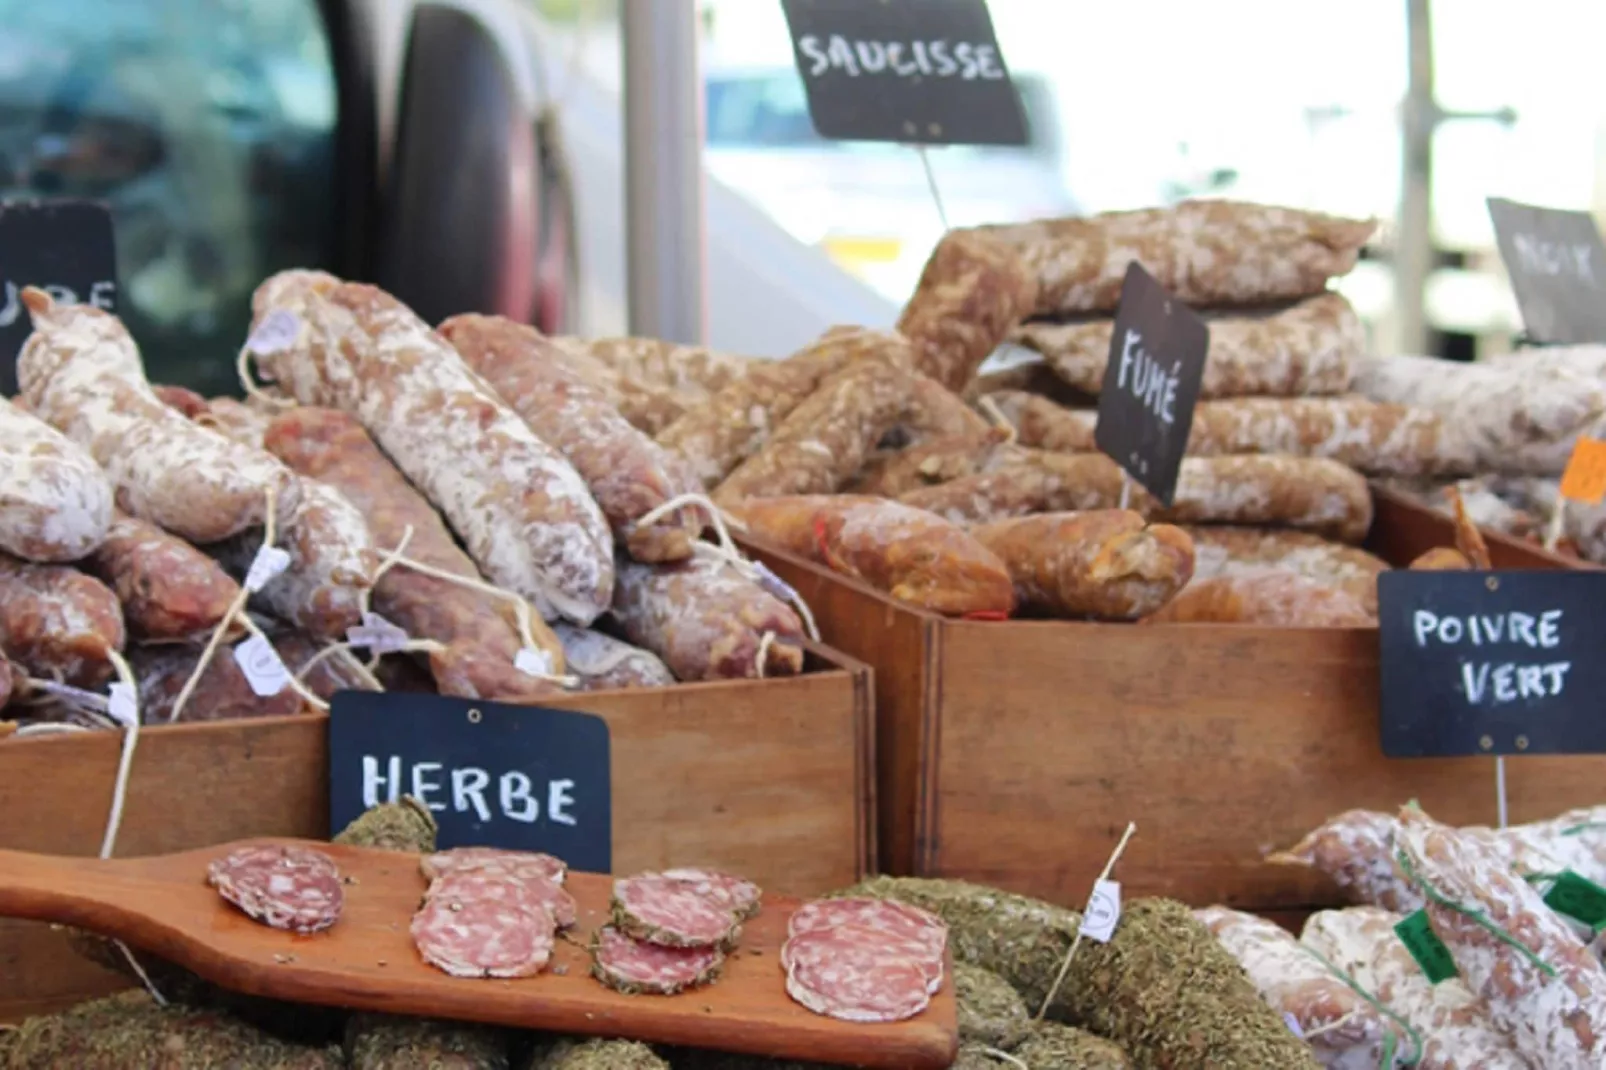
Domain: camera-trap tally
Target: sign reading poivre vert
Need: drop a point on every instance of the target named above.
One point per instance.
(524, 778)
(1492, 663)
(63, 247)
(920, 72)
(1151, 384)
(1557, 265)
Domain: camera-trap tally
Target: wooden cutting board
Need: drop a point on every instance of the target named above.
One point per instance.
(163, 905)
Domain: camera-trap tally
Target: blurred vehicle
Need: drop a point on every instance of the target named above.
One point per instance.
(870, 204)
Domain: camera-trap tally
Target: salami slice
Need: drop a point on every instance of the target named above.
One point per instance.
(536, 893)
(674, 913)
(741, 896)
(859, 982)
(635, 967)
(289, 888)
(819, 947)
(482, 937)
(521, 864)
(884, 915)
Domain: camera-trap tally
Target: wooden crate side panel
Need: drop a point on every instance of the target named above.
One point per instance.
(1222, 744)
(900, 644)
(765, 779)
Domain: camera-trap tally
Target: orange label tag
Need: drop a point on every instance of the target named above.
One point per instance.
(1585, 477)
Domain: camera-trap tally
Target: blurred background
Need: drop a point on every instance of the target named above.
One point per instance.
(469, 153)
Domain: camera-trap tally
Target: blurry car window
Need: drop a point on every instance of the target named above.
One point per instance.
(208, 126)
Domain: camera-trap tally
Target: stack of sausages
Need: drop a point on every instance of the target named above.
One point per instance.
(475, 498)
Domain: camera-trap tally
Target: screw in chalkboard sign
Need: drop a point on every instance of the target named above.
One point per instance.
(1151, 383)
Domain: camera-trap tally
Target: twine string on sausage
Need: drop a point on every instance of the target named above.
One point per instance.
(248, 382)
(236, 613)
(990, 409)
(731, 554)
(1477, 917)
(1076, 942)
(1391, 1039)
(114, 819)
(1006, 1057)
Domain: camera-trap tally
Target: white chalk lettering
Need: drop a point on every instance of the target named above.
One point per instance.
(372, 781)
(1540, 257)
(987, 62)
(1550, 628)
(422, 787)
(872, 56)
(517, 802)
(1423, 624)
(1522, 629)
(558, 801)
(965, 53)
(1150, 384)
(904, 69)
(969, 61)
(922, 58)
(1509, 682)
(809, 45)
(841, 54)
(1485, 630)
(946, 67)
(468, 788)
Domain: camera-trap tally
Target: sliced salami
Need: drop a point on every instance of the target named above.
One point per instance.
(819, 947)
(859, 983)
(536, 893)
(884, 915)
(635, 967)
(483, 937)
(741, 896)
(522, 864)
(674, 913)
(289, 888)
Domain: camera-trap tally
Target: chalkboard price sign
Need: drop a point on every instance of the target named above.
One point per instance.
(520, 777)
(919, 72)
(63, 247)
(1151, 384)
(1557, 265)
(1492, 663)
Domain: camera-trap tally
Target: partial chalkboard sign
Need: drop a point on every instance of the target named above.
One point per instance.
(919, 72)
(1151, 384)
(521, 777)
(1557, 265)
(61, 246)
(1492, 663)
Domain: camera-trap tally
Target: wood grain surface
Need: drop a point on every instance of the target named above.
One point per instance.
(768, 778)
(1015, 753)
(367, 960)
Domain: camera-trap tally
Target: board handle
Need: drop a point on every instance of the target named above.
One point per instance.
(61, 889)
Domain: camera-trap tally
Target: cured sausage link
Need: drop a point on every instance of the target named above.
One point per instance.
(55, 502)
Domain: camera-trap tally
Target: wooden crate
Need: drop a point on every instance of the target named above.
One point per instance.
(1015, 753)
(771, 779)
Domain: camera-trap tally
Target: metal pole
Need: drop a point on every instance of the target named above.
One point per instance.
(1413, 241)
(663, 160)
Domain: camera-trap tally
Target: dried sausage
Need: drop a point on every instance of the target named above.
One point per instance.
(292, 888)
(1223, 550)
(58, 623)
(603, 662)
(938, 461)
(55, 502)
(169, 590)
(635, 966)
(972, 290)
(1269, 598)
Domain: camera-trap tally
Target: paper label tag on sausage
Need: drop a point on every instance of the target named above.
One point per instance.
(121, 704)
(276, 333)
(773, 583)
(261, 665)
(377, 634)
(1103, 911)
(1417, 934)
(269, 563)
(532, 662)
(1293, 1024)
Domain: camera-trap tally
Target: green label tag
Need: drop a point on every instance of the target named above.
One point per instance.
(1425, 946)
(1578, 898)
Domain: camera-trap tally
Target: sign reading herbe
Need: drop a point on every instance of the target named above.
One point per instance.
(1492, 663)
(520, 777)
(923, 72)
(1151, 383)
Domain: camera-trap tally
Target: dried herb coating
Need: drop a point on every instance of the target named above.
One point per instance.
(975, 1057)
(399, 826)
(1169, 993)
(1062, 1047)
(129, 1030)
(990, 1011)
(1022, 940)
(569, 1054)
(383, 1042)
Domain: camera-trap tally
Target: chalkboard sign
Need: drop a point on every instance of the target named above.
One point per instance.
(1557, 265)
(520, 777)
(1492, 663)
(63, 247)
(920, 72)
(1151, 384)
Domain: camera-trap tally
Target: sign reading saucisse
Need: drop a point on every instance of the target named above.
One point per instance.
(918, 72)
(523, 778)
(63, 247)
